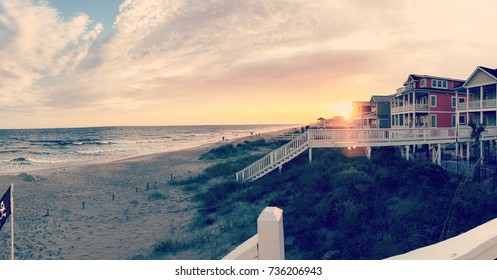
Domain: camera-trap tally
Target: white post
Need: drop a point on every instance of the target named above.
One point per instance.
(439, 154)
(270, 234)
(310, 154)
(481, 104)
(407, 152)
(368, 152)
(468, 152)
(467, 101)
(414, 109)
(457, 149)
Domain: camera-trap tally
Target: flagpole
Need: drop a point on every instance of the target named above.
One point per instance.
(12, 221)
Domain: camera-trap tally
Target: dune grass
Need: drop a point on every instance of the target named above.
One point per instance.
(341, 208)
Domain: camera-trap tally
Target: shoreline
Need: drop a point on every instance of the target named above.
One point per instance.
(114, 210)
(210, 145)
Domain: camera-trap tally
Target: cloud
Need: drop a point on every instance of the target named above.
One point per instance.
(189, 53)
(37, 44)
(211, 40)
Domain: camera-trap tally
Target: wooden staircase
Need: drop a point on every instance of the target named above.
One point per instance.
(274, 159)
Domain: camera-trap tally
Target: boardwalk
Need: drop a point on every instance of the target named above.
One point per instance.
(406, 138)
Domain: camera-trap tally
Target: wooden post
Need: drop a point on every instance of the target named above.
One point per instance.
(439, 154)
(270, 234)
(468, 151)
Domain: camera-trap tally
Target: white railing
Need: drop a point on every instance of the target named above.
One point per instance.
(274, 158)
(479, 243)
(474, 104)
(382, 137)
(409, 108)
(421, 107)
(268, 243)
(489, 103)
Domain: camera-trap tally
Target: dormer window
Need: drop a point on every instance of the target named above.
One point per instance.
(422, 83)
(438, 83)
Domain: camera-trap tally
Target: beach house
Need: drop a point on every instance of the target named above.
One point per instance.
(425, 101)
(477, 98)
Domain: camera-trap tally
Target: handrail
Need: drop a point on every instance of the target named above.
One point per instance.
(479, 243)
(273, 158)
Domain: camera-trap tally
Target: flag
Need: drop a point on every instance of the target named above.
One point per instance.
(5, 209)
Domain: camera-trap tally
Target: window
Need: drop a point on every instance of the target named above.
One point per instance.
(433, 121)
(433, 100)
(422, 83)
(462, 119)
(438, 83)
(454, 124)
(462, 99)
(453, 102)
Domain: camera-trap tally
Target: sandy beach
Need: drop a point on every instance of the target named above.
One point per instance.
(114, 210)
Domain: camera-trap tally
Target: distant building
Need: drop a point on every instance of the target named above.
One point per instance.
(374, 113)
(361, 114)
(338, 122)
(425, 101)
(380, 110)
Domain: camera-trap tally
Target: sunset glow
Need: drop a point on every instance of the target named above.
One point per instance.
(343, 109)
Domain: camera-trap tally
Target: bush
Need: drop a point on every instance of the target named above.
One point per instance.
(221, 152)
(157, 196)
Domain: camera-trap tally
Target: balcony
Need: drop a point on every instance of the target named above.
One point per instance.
(478, 104)
(421, 107)
(410, 108)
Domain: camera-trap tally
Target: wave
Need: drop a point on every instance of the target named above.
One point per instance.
(10, 151)
(64, 143)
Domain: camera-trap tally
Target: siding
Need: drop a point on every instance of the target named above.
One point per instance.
(480, 78)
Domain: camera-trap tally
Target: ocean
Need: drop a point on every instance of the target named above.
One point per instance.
(24, 150)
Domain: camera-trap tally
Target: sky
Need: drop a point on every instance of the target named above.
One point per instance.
(188, 62)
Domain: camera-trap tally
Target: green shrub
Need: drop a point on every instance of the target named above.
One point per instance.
(157, 196)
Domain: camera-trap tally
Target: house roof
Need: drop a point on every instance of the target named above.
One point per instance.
(380, 98)
(489, 71)
(417, 77)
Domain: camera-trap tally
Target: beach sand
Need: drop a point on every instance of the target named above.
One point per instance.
(115, 210)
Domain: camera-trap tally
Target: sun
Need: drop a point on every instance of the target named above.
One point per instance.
(341, 109)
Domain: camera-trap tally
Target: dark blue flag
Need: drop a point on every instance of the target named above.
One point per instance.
(5, 209)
